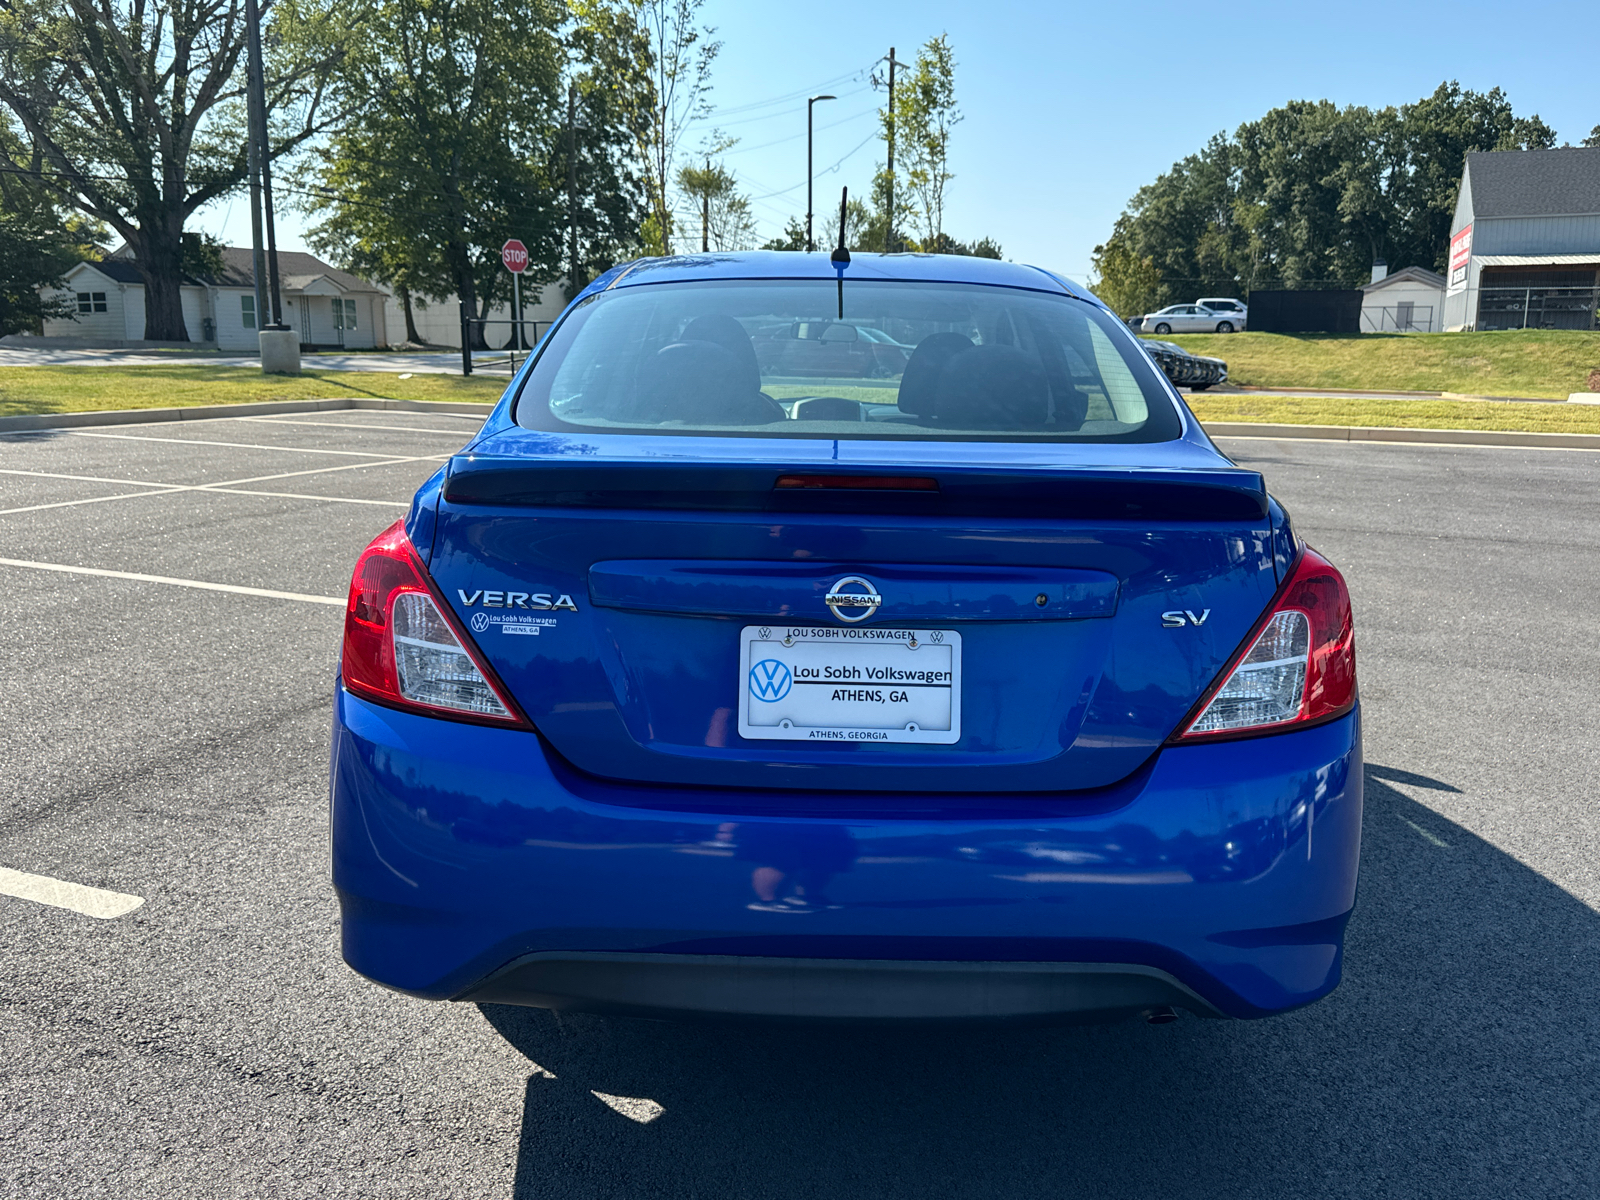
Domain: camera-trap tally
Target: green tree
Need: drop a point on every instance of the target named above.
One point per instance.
(1594, 137)
(792, 238)
(1309, 195)
(132, 112)
(1128, 284)
(445, 155)
(925, 112)
(38, 244)
(725, 219)
(661, 80)
(857, 227)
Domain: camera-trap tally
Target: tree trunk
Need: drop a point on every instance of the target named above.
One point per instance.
(411, 321)
(158, 253)
(466, 290)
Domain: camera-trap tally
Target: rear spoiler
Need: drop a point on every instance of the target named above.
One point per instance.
(1081, 493)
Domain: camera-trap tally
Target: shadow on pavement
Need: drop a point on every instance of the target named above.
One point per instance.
(1459, 1059)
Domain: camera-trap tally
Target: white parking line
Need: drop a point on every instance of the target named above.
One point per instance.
(191, 583)
(92, 500)
(226, 486)
(453, 433)
(130, 437)
(58, 893)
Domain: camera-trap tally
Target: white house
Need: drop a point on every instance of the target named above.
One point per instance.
(330, 308)
(438, 322)
(1408, 301)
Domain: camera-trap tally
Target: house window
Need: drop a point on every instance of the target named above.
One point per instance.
(344, 314)
(247, 311)
(91, 302)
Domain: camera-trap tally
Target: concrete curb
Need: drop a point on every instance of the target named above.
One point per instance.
(211, 412)
(1235, 429)
(1429, 437)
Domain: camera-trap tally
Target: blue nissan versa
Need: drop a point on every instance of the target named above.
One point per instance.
(846, 639)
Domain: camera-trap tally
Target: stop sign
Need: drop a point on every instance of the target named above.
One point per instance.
(515, 256)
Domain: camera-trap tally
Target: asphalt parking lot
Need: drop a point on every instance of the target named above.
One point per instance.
(169, 742)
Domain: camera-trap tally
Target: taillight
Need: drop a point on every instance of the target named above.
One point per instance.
(1297, 667)
(403, 648)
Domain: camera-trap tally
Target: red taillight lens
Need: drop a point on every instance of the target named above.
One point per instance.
(1297, 667)
(402, 647)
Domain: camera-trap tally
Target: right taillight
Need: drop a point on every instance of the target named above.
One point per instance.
(1297, 667)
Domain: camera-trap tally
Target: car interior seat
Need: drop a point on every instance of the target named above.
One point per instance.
(998, 387)
(709, 376)
(919, 382)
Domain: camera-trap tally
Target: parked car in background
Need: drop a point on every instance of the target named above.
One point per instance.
(1192, 371)
(1231, 310)
(1189, 318)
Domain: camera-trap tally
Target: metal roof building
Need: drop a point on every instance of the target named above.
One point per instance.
(1525, 242)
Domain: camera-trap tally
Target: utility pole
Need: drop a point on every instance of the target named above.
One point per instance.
(258, 99)
(888, 232)
(280, 347)
(810, 244)
(573, 281)
(705, 212)
(258, 254)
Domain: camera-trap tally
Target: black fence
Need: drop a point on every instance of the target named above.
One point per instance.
(1305, 312)
(516, 338)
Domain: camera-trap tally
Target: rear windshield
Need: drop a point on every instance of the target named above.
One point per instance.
(810, 358)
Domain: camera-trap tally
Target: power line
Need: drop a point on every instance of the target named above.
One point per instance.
(787, 112)
(795, 137)
(788, 96)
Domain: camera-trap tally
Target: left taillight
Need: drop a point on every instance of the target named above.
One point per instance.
(403, 648)
(1297, 667)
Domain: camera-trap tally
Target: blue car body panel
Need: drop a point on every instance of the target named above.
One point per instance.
(1230, 865)
(1061, 828)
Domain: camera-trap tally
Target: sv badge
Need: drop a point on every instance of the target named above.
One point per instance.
(1178, 618)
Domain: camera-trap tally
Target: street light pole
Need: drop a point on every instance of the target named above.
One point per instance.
(810, 245)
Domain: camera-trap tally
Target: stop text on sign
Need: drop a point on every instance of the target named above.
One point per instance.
(515, 256)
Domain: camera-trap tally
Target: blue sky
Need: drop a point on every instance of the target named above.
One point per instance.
(1070, 108)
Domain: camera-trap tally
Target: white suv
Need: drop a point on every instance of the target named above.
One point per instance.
(1233, 310)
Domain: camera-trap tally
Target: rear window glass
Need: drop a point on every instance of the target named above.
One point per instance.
(807, 358)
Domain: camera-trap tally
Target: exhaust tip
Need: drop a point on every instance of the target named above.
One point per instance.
(1165, 1015)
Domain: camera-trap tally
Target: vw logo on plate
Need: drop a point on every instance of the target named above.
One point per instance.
(480, 622)
(853, 594)
(770, 680)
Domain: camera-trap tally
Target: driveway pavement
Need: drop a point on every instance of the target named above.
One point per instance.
(169, 742)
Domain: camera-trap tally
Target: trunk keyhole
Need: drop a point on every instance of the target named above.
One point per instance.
(1041, 599)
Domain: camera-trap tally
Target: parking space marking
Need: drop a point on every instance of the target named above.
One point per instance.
(226, 486)
(58, 893)
(307, 496)
(130, 437)
(455, 433)
(91, 500)
(190, 583)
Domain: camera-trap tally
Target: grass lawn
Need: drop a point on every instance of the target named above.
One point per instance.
(1395, 414)
(1535, 362)
(83, 389)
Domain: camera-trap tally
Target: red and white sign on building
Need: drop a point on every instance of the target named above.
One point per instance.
(515, 256)
(1460, 259)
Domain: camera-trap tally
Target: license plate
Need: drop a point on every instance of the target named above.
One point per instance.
(822, 684)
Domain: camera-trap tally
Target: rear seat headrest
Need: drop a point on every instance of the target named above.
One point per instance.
(919, 382)
(993, 386)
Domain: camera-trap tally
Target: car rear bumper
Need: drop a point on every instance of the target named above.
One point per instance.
(471, 863)
(657, 985)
